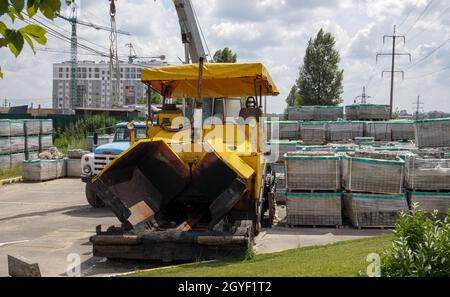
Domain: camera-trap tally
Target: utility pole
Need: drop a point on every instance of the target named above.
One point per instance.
(363, 97)
(419, 107)
(114, 64)
(393, 54)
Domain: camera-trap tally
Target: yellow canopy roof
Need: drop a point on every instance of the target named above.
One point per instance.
(219, 80)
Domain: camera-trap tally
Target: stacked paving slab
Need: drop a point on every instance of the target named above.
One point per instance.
(374, 195)
(313, 182)
(23, 140)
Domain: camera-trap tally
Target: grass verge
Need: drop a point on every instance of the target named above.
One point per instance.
(10, 173)
(343, 259)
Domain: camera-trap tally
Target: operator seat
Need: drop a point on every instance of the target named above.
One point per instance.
(251, 110)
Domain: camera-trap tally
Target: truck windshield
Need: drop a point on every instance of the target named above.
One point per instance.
(123, 134)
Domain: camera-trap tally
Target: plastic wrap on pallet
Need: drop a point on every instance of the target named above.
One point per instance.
(328, 113)
(312, 171)
(313, 148)
(303, 113)
(76, 154)
(373, 176)
(402, 130)
(45, 142)
(431, 202)
(46, 127)
(5, 128)
(313, 132)
(367, 112)
(432, 133)
(381, 131)
(368, 210)
(17, 128)
(17, 144)
(5, 162)
(39, 170)
(73, 168)
(313, 209)
(287, 130)
(364, 140)
(17, 159)
(340, 131)
(31, 143)
(280, 183)
(280, 148)
(5, 145)
(104, 139)
(61, 168)
(32, 127)
(427, 174)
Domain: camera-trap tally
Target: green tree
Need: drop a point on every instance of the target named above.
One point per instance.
(14, 37)
(225, 55)
(294, 98)
(156, 99)
(320, 81)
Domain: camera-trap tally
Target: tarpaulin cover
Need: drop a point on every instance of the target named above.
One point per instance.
(219, 80)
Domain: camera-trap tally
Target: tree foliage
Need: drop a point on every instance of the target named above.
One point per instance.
(13, 37)
(294, 98)
(225, 55)
(320, 81)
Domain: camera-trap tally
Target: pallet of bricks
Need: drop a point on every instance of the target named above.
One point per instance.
(313, 189)
(278, 148)
(23, 140)
(367, 112)
(313, 132)
(374, 195)
(432, 133)
(344, 130)
(280, 183)
(283, 130)
(428, 181)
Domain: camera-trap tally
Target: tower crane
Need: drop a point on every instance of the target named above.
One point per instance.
(74, 21)
(133, 55)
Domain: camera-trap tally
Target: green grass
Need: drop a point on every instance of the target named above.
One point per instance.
(344, 259)
(10, 173)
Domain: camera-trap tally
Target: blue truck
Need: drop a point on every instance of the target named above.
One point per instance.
(94, 163)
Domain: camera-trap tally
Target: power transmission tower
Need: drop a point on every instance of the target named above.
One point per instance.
(419, 106)
(393, 54)
(363, 97)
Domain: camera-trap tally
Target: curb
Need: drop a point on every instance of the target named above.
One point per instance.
(9, 181)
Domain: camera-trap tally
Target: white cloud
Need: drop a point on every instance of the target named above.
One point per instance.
(274, 32)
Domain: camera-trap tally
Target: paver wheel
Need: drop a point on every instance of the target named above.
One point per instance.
(93, 199)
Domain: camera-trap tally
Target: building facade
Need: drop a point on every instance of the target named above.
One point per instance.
(93, 84)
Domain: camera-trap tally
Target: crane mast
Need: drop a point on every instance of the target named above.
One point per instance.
(190, 33)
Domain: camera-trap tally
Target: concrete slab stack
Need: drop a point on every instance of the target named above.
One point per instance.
(313, 132)
(313, 188)
(373, 181)
(328, 113)
(367, 112)
(371, 210)
(431, 202)
(21, 140)
(381, 131)
(402, 130)
(432, 133)
(345, 130)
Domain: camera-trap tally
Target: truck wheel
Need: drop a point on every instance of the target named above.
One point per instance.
(93, 199)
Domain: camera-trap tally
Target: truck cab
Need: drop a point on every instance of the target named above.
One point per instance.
(94, 163)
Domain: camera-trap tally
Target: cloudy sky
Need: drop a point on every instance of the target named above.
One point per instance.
(274, 32)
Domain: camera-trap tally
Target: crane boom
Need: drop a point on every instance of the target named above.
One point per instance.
(190, 33)
(92, 25)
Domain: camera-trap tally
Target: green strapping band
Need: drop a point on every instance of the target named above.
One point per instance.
(305, 158)
(429, 194)
(432, 121)
(316, 195)
(377, 162)
(380, 197)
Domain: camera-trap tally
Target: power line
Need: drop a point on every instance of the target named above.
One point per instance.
(420, 16)
(409, 14)
(432, 23)
(431, 73)
(428, 55)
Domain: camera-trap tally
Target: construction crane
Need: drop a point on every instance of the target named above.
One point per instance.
(74, 21)
(133, 55)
